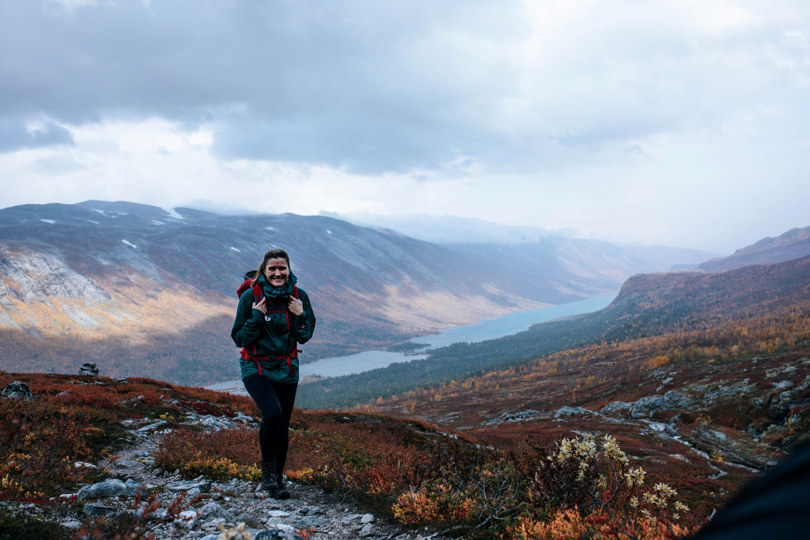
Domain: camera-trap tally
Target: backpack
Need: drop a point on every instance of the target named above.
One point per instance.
(246, 354)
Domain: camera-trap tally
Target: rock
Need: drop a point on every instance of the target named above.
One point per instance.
(566, 411)
(278, 514)
(88, 368)
(111, 487)
(308, 522)
(213, 510)
(647, 406)
(186, 518)
(94, 509)
(18, 390)
(676, 400)
(129, 464)
(616, 406)
(203, 486)
(733, 446)
(367, 518)
(367, 530)
(250, 519)
(275, 534)
(782, 384)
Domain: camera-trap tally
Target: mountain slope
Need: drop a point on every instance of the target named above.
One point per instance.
(793, 244)
(648, 305)
(146, 291)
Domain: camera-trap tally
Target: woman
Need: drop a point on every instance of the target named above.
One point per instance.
(273, 316)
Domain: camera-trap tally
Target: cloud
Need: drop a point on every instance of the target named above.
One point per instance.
(589, 114)
(17, 135)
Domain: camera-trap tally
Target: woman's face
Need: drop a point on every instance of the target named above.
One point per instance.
(276, 271)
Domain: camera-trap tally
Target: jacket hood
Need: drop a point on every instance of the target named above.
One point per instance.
(278, 292)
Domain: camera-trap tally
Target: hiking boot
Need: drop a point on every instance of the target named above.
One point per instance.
(281, 491)
(269, 481)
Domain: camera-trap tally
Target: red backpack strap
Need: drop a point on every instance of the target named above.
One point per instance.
(257, 292)
(295, 291)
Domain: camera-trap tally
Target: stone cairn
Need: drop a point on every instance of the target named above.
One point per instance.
(88, 368)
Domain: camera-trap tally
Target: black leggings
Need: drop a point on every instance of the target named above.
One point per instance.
(275, 400)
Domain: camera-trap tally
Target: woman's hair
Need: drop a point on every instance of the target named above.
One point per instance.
(272, 254)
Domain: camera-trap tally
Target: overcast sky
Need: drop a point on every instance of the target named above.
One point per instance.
(676, 122)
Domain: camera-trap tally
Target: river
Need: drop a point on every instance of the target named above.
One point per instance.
(506, 325)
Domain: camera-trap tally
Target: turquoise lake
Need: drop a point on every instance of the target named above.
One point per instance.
(508, 324)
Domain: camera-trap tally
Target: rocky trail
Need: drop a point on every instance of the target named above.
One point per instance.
(160, 504)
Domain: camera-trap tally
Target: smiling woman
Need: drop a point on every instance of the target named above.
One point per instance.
(272, 318)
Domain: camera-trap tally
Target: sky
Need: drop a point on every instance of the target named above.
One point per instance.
(675, 122)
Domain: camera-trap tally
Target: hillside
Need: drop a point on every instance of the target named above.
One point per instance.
(794, 244)
(648, 305)
(145, 291)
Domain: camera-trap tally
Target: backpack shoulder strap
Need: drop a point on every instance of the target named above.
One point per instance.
(257, 292)
(295, 291)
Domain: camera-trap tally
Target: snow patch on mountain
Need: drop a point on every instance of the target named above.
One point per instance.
(173, 213)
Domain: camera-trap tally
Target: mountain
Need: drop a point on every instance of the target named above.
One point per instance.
(793, 244)
(147, 291)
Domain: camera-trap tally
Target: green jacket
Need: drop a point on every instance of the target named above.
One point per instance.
(272, 335)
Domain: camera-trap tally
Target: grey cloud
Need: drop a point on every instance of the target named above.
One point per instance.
(365, 85)
(16, 136)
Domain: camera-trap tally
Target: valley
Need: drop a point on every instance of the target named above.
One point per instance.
(144, 291)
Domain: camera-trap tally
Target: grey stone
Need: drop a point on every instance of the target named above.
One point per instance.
(278, 514)
(367, 530)
(367, 518)
(250, 519)
(616, 406)
(214, 510)
(129, 464)
(204, 486)
(111, 487)
(677, 400)
(566, 411)
(647, 406)
(94, 509)
(310, 522)
(17, 390)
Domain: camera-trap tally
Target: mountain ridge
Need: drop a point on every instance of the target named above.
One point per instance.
(97, 269)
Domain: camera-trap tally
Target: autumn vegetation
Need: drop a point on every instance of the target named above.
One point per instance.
(404, 470)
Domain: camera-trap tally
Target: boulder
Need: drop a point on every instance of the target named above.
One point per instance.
(18, 390)
(111, 487)
(566, 411)
(616, 406)
(647, 406)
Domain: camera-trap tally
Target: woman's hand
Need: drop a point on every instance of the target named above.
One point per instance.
(261, 305)
(295, 306)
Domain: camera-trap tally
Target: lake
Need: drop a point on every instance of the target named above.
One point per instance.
(506, 325)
